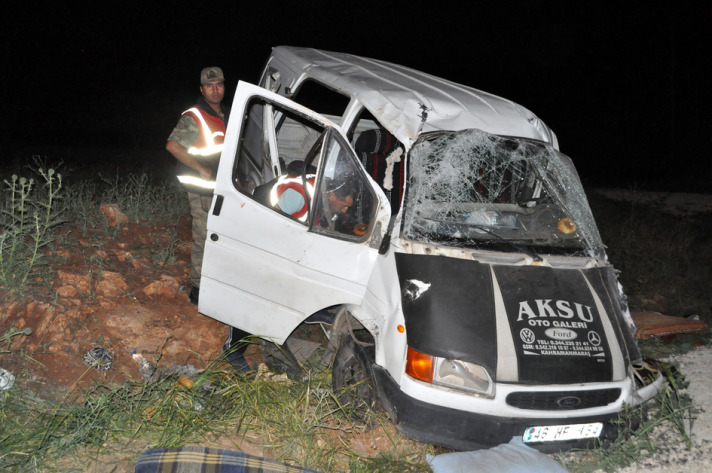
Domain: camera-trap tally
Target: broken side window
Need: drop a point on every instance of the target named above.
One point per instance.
(323, 100)
(473, 189)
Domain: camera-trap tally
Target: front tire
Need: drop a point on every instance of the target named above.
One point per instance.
(352, 374)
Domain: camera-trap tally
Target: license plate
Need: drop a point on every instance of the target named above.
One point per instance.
(554, 433)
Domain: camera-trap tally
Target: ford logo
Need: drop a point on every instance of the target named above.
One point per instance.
(560, 333)
(568, 402)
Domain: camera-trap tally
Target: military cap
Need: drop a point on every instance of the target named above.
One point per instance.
(211, 74)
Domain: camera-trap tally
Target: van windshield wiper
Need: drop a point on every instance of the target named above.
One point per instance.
(516, 246)
(483, 228)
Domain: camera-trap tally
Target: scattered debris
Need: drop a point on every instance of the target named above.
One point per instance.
(263, 372)
(7, 380)
(98, 358)
(113, 215)
(655, 324)
(512, 456)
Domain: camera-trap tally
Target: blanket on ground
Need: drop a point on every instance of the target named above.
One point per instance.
(195, 459)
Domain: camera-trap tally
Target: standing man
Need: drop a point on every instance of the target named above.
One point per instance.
(196, 142)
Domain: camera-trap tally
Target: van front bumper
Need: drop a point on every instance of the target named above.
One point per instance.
(462, 430)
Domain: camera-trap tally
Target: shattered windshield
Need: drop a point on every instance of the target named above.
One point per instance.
(473, 189)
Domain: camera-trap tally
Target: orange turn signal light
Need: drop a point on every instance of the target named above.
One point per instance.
(419, 366)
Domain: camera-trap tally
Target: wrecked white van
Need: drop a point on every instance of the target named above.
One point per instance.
(475, 301)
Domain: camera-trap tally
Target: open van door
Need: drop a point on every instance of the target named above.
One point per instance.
(265, 271)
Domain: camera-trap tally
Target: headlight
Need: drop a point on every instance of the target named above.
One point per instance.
(456, 374)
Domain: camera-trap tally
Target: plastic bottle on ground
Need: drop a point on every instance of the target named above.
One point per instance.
(145, 368)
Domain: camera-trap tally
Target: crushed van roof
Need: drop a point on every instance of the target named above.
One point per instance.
(409, 102)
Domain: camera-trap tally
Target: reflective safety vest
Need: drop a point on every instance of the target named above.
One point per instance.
(206, 149)
(287, 194)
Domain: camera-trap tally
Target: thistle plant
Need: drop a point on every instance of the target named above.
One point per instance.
(144, 200)
(29, 213)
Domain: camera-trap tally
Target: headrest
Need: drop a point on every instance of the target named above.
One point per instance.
(377, 141)
(297, 167)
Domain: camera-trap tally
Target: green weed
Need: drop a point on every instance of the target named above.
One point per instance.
(165, 254)
(140, 197)
(295, 422)
(12, 332)
(29, 215)
(143, 200)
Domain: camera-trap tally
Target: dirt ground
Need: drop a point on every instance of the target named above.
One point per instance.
(124, 293)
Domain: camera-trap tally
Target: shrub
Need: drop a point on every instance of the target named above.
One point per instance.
(30, 212)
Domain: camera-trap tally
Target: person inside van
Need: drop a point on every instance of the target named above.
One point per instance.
(286, 194)
(340, 199)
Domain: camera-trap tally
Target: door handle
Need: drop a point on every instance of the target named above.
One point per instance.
(214, 237)
(218, 204)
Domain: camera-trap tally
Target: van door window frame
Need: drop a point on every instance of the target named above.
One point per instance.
(365, 200)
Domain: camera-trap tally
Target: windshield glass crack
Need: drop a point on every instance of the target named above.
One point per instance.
(474, 189)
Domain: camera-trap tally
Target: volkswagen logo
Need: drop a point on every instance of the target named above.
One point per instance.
(568, 402)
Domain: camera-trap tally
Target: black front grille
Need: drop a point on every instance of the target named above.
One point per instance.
(563, 400)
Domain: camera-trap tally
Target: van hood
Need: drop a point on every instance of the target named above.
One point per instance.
(516, 321)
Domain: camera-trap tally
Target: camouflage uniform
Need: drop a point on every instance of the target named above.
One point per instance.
(186, 133)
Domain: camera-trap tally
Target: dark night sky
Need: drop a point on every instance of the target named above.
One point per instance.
(627, 89)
